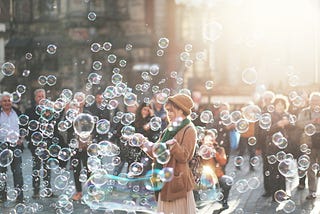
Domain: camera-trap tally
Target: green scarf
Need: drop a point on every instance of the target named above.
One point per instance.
(169, 133)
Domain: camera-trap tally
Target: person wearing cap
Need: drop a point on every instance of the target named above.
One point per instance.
(176, 195)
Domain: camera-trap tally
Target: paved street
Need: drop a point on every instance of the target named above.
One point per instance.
(248, 202)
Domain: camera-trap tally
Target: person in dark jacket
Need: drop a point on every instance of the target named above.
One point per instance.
(39, 112)
(142, 125)
(280, 124)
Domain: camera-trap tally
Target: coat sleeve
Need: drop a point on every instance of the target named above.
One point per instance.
(183, 151)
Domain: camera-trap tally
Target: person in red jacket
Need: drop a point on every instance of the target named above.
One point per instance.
(217, 164)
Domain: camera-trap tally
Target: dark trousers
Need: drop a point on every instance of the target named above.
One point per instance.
(244, 146)
(37, 163)
(225, 187)
(273, 180)
(82, 157)
(16, 168)
(118, 169)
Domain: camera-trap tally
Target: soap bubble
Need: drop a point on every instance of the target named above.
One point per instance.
(249, 76)
(21, 89)
(8, 69)
(51, 49)
(212, 31)
(51, 80)
(42, 80)
(130, 99)
(6, 157)
(60, 182)
(83, 125)
(163, 42)
(107, 46)
(95, 47)
(92, 16)
(209, 84)
(102, 126)
(28, 56)
(154, 70)
(206, 116)
(135, 169)
(310, 129)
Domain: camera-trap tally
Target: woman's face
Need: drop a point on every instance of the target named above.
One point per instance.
(145, 111)
(173, 114)
(279, 107)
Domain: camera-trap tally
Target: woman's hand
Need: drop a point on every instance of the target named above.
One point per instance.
(171, 143)
(146, 127)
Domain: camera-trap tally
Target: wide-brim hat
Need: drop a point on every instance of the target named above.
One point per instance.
(183, 101)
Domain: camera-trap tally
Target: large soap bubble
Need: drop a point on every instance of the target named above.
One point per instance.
(83, 125)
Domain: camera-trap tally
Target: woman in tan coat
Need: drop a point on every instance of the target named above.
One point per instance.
(176, 196)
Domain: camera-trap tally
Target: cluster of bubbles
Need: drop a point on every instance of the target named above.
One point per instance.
(102, 189)
(279, 140)
(49, 80)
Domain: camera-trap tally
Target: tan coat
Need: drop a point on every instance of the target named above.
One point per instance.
(181, 153)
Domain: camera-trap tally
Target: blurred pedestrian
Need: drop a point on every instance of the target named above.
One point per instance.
(12, 144)
(216, 164)
(279, 126)
(41, 113)
(143, 126)
(79, 159)
(310, 117)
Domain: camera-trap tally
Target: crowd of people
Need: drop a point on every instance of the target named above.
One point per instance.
(281, 129)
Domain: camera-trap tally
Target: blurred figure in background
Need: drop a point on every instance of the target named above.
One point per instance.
(159, 111)
(80, 156)
(37, 113)
(245, 144)
(142, 125)
(260, 133)
(223, 126)
(103, 112)
(310, 117)
(217, 164)
(279, 126)
(198, 108)
(11, 143)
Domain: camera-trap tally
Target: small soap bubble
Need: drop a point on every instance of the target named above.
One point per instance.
(92, 16)
(107, 46)
(51, 80)
(21, 89)
(163, 42)
(112, 58)
(160, 52)
(154, 70)
(95, 47)
(128, 47)
(51, 49)
(28, 56)
(26, 73)
(42, 80)
(209, 84)
(188, 47)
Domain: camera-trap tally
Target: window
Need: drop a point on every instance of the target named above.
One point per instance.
(23, 11)
(46, 9)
